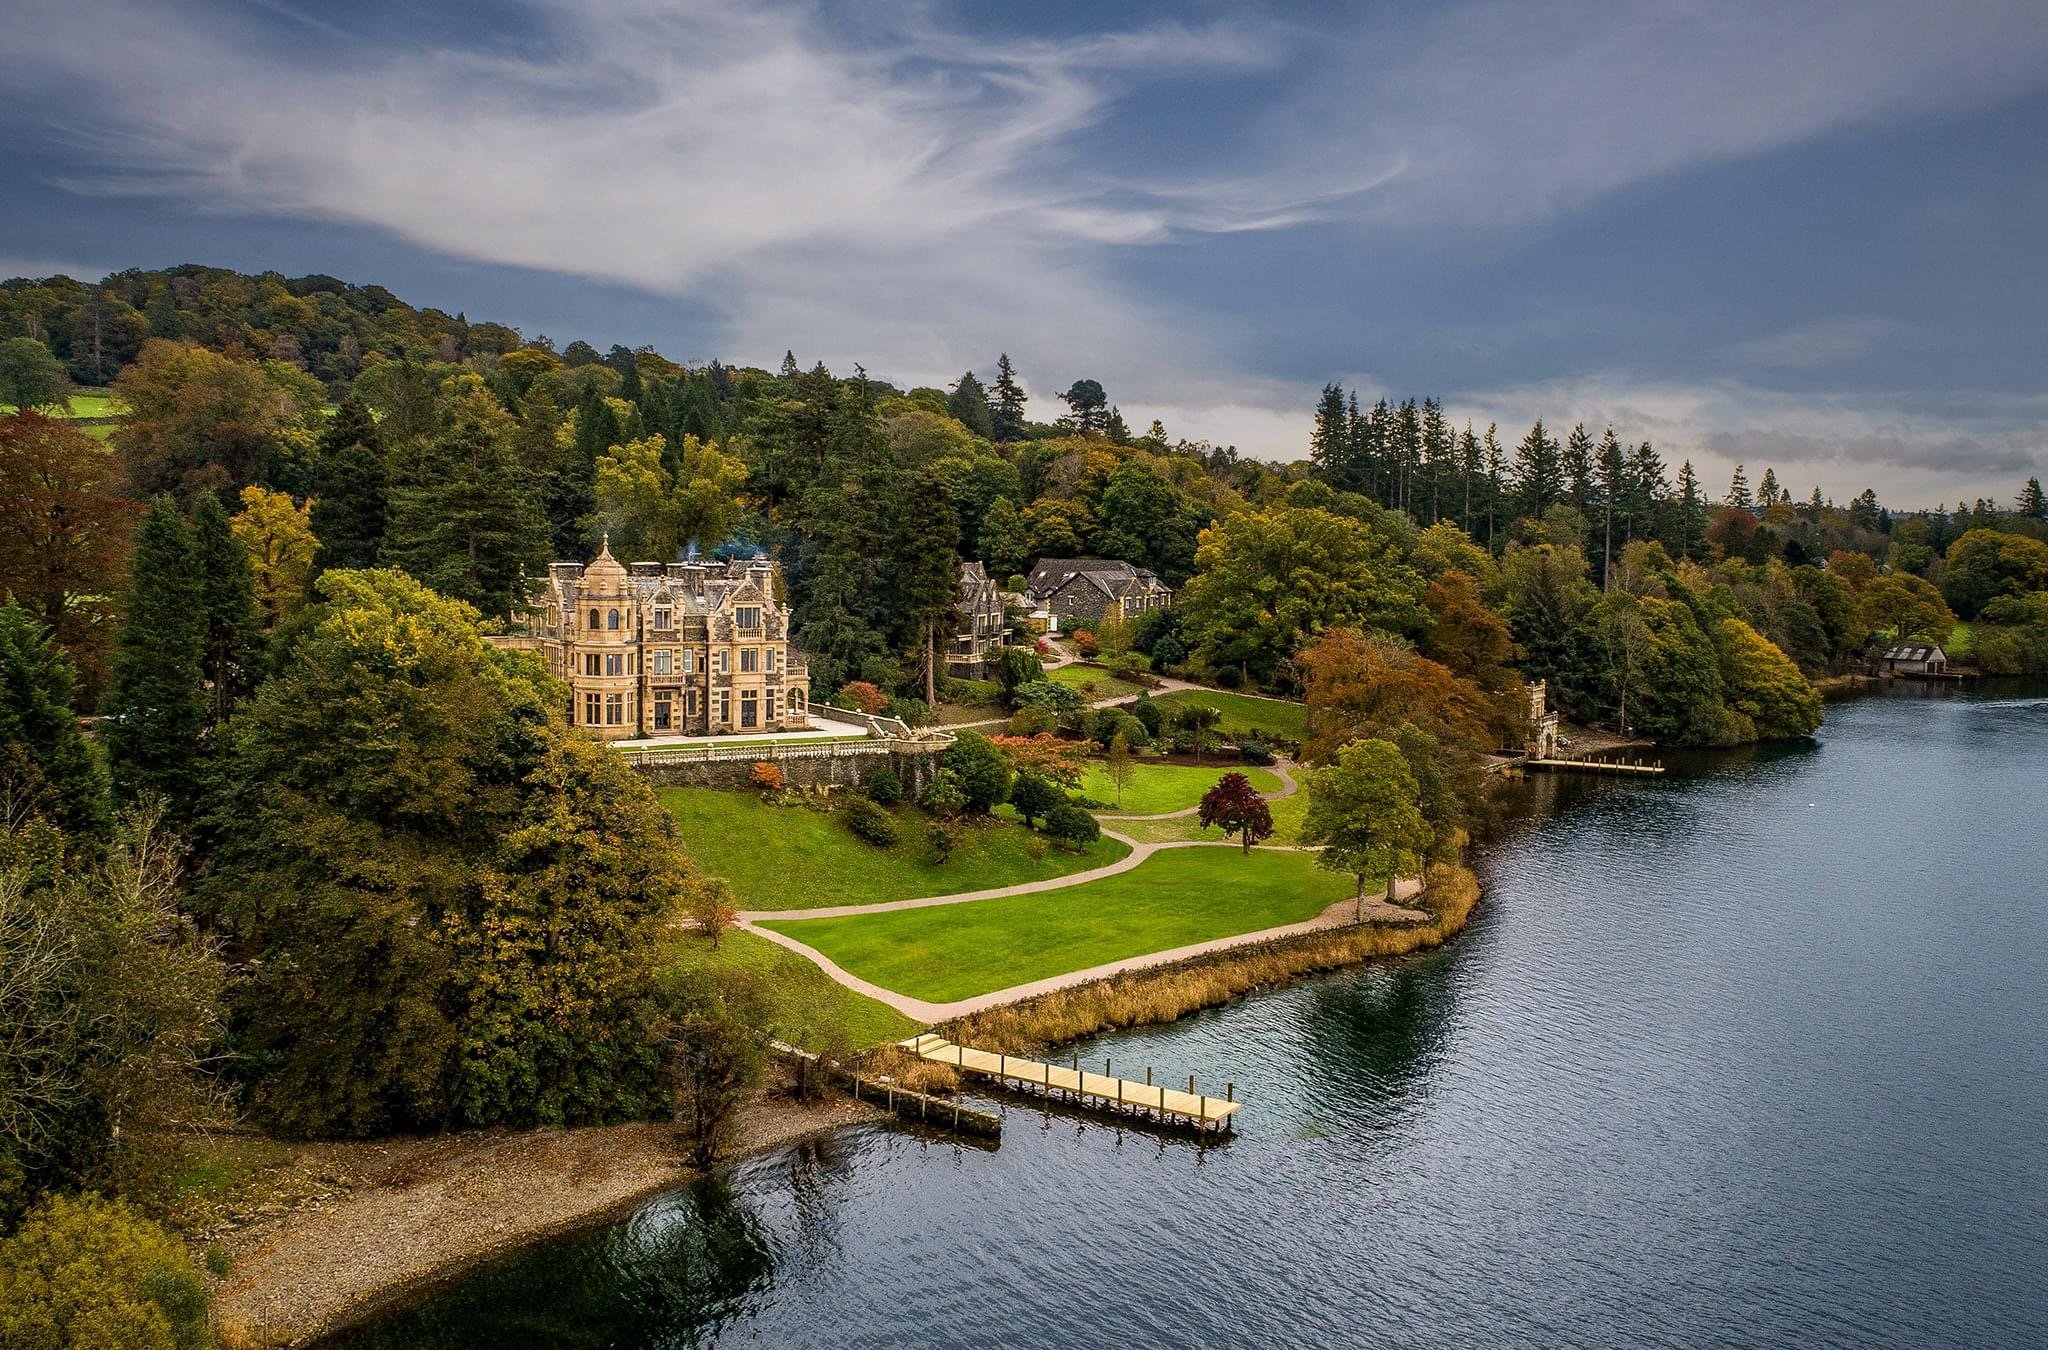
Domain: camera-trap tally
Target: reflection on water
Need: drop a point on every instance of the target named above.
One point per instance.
(1748, 1055)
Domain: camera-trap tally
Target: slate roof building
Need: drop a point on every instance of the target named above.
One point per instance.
(1915, 658)
(983, 627)
(670, 649)
(1076, 592)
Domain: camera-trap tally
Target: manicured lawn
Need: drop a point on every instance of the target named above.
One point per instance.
(807, 1007)
(1104, 684)
(1287, 815)
(1172, 899)
(787, 857)
(1155, 788)
(1242, 712)
(84, 403)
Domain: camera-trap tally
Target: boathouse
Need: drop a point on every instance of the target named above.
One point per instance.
(1914, 658)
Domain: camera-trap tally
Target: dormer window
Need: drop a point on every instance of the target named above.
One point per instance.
(661, 619)
(749, 616)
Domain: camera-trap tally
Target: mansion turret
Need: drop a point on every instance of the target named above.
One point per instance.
(670, 649)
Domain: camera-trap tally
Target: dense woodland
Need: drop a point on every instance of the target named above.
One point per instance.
(271, 576)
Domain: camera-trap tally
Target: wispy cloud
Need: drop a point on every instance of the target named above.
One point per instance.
(893, 187)
(1824, 342)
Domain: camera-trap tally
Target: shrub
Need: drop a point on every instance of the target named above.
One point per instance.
(869, 822)
(766, 775)
(860, 694)
(884, 787)
(977, 692)
(1148, 714)
(1253, 749)
(1016, 583)
(1072, 826)
(1057, 699)
(984, 774)
(1033, 722)
(912, 712)
(86, 1271)
(1169, 654)
(1034, 796)
(1229, 677)
(944, 796)
(938, 843)
(1130, 663)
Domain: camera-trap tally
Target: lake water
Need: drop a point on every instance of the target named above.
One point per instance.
(1749, 1055)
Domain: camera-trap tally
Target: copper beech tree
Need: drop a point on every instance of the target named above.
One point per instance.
(1236, 807)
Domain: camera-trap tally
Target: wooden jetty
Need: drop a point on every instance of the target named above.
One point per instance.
(1096, 1091)
(940, 1112)
(1594, 765)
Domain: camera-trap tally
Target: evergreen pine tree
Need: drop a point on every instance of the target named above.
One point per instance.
(969, 405)
(925, 576)
(1767, 491)
(46, 767)
(1691, 509)
(231, 628)
(1613, 467)
(2032, 504)
(350, 493)
(467, 524)
(536, 445)
(1329, 441)
(1007, 407)
(1468, 474)
(1578, 469)
(1738, 490)
(1539, 475)
(1438, 450)
(1496, 481)
(571, 496)
(155, 708)
(1115, 428)
(1647, 490)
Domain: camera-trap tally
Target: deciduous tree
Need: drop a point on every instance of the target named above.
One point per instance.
(1235, 807)
(1363, 812)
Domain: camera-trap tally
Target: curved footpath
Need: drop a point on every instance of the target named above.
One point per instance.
(1381, 909)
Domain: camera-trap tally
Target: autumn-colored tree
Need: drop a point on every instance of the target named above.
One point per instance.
(655, 503)
(278, 536)
(1046, 755)
(197, 419)
(1358, 685)
(1235, 807)
(863, 695)
(64, 537)
(711, 907)
(766, 775)
(1763, 685)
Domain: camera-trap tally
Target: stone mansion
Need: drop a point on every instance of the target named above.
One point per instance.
(675, 649)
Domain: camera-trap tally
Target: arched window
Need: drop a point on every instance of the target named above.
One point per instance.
(593, 620)
(796, 703)
(611, 618)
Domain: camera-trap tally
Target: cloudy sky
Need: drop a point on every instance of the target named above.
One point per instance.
(1806, 235)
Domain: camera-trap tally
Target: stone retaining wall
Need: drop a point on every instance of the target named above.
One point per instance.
(846, 764)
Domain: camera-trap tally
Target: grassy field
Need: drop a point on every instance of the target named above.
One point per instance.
(1092, 683)
(84, 403)
(1155, 788)
(807, 1007)
(1241, 712)
(1962, 640)
(786, 857)
(1170, 900)
(1287, 815)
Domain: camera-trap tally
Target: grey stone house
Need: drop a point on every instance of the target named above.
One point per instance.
(983, 627)
(1076, 592)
